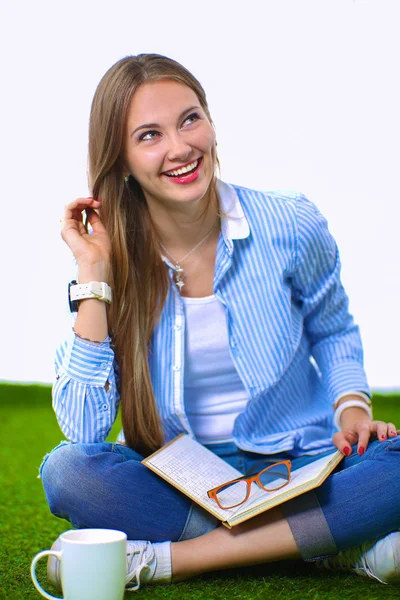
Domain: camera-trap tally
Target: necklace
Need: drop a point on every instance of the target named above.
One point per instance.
(179, 272)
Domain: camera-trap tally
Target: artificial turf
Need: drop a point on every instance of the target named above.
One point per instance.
(29, 430)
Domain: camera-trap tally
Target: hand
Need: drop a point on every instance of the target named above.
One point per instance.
(90, 251)
(360, 433)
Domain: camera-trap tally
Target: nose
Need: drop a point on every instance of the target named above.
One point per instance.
(179, 148)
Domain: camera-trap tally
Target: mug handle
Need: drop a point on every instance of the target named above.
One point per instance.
(37, 585)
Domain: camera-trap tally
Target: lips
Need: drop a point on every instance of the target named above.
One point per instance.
(184, 171)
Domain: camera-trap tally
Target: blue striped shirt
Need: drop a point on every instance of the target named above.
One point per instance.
(292, 340)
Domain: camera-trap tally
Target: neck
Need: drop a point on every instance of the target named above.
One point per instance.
(181, 227)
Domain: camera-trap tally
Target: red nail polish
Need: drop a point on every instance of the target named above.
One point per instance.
(383, 436)
(347, 451)
(361, 450)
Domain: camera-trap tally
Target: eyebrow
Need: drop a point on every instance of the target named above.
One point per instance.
(150, 125)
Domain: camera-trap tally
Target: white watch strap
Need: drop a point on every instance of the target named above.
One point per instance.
(94, 289)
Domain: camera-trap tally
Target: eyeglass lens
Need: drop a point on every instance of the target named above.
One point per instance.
(271, 479)
(232, 494)
(274, 477)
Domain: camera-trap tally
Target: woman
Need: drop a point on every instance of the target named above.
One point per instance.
(220, 298)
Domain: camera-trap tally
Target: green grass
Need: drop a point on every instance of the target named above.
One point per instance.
(29, 430)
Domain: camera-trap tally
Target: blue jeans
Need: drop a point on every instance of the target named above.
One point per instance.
(105, 485)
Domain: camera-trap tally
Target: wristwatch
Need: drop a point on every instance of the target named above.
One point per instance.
(81, 291)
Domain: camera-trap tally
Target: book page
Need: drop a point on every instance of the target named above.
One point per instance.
(193, 468)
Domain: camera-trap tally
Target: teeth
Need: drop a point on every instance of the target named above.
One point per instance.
(183, 170)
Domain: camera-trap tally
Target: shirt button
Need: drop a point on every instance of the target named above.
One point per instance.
(176, 368)
(105, 406)
(177, 327)
(103, 365)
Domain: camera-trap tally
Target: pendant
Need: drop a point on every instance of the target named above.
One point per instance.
(179, 277)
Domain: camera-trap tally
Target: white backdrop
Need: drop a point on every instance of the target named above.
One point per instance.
(304, 95)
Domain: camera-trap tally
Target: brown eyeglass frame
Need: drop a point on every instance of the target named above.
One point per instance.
(249, 480)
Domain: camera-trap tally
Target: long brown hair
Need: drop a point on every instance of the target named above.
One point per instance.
(139, 278)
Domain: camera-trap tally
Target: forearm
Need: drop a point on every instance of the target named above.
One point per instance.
(91, 322)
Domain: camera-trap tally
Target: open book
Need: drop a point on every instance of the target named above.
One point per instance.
(193, 469)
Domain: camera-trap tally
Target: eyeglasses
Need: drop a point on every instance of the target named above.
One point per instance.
(236, 492)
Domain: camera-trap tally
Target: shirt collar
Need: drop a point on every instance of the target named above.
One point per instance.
(234, 225)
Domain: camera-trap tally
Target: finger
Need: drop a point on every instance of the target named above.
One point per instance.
(344, 440)
(391, 430)
(74, 209)
(73, 219)
(364, 434)
(381, 431)
(361, 433)
(93, 218)
(72, 232)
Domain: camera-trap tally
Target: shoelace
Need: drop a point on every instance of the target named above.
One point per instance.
(353, 559)
(136, 572)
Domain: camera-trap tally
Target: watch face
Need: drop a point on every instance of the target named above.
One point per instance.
(73, 304)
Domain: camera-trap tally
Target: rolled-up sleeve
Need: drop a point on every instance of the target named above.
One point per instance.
(334, 337)
(85, 394)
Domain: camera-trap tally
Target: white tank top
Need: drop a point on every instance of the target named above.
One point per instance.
(213, 392)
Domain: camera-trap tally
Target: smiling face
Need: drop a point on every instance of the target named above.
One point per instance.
(169, 144)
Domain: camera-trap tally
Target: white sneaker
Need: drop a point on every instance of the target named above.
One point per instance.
(380, 561)
(140, 565)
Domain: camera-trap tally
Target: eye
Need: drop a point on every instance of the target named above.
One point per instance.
(191, 119)
(148, 135)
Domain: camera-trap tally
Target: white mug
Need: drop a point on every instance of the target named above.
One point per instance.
(93, 565)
